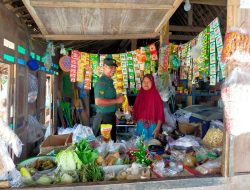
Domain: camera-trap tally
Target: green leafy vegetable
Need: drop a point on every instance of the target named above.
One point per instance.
(141, 154)
(92, 172)
(68, 160)
(85, 153)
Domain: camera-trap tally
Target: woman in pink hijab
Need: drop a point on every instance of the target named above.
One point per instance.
(148, 109)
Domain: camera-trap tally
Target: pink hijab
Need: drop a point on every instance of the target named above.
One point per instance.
(148, 104)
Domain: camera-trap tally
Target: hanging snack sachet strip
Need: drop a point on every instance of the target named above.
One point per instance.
(73, 65)
(88, 72)
(94, 62)
(124, 63)
(80, 68)
(131, 72)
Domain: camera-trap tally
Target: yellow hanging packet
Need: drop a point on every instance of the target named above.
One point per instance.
(106, 132)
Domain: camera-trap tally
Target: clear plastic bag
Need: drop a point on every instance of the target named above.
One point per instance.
(170, 121)
(63, 131)
(236, 99)
(210, 167)
(213, 138)
(11, 139)
(186, 142)
(164, 87)
(182, 116)
(32, 88)
(35, 129)
(7, 167)
(6, 163)
(236, 47)
(217, 124)
(83, 132)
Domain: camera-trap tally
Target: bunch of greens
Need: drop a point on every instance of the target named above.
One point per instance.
(85, 153)
(141, 154)
(92, 172)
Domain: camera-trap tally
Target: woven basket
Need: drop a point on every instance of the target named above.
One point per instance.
(190, 128)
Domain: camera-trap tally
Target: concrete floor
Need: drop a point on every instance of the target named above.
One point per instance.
(239, 182)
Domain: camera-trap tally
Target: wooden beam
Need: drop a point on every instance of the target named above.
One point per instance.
(210, 2)
(95, 5)
(97, 37)
(35, 17)
(176, 28)
(168, 15)
(181, 37)
(164, 37)
(133, 44)
(190, 17)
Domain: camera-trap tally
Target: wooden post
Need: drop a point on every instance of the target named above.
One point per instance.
(236, 17)
(164, 37)
(233, 16)
(133, 44)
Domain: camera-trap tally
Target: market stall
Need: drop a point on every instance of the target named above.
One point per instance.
(190, 78)
(189, 146)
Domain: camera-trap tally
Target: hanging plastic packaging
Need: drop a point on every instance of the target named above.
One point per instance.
(62, 50)
(47, 60)
(35, 129)
(7, 167)
(236, 99)
(32, 88)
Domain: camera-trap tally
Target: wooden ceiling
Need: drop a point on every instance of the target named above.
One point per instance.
(103, 25)
(101, 20)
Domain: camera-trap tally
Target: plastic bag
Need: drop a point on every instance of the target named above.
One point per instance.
(186, 142)
(170, 121)
(182, 116)
(11, 139)
(164, 87)
(210, 167)
(83, 132)
(35, 129)
(32, 88)
(63, 131)
(236, 47)
(213, 138)
(106, 132)
(217, 124)
(236, 99)
(6, 163)
(7, 167)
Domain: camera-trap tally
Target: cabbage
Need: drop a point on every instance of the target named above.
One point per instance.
(68, 160)
(66, 178)
(44, 180)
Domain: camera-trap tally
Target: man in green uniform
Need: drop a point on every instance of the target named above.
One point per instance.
(105, 99)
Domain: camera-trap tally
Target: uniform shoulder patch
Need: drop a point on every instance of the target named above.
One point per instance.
(101, 92)
(102, 83)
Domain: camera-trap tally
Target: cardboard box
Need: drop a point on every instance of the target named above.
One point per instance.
(55, 142)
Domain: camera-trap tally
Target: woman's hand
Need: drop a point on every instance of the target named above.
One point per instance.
(156, 132)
